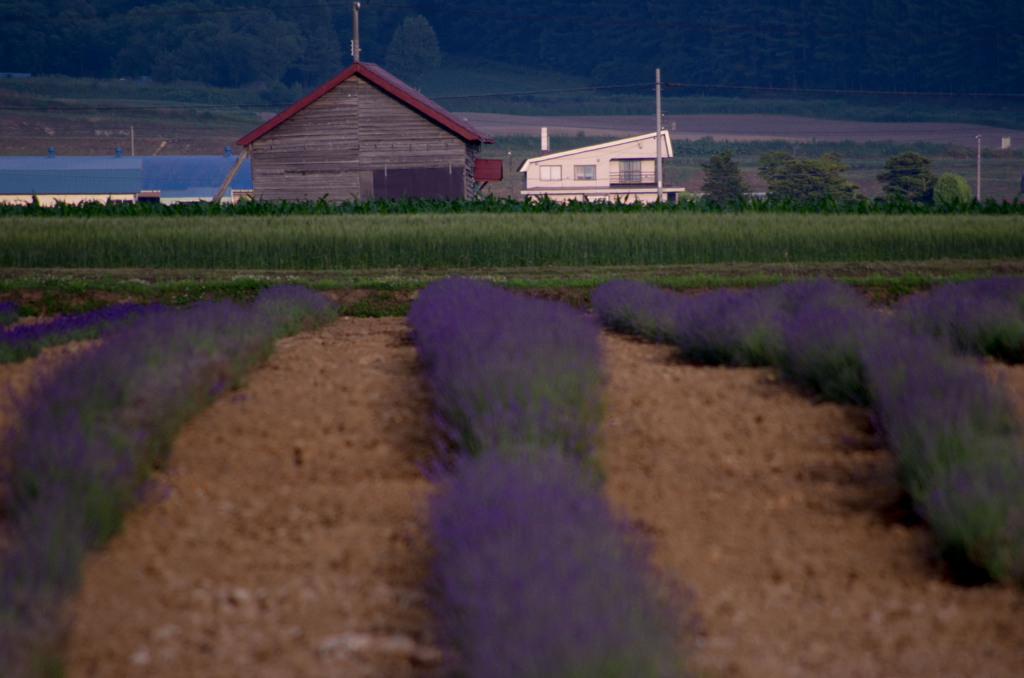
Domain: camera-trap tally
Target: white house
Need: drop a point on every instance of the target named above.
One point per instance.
(622, 170)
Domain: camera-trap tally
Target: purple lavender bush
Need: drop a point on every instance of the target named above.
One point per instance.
(89, 434)
(533, 576)
(293, 308)
(633, 307)
(728, 327)
(26, 341)
(823, 346)
(977, 512)
(507, 371)
(957, 441)
(8, 313)
(984, 316)
(713, 328)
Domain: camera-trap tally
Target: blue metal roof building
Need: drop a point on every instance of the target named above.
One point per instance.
(69, 175)
(176, 177)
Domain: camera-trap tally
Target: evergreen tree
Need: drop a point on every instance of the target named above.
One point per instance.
(413, 51)
(322, 57)
(908, 176)
(722, 179)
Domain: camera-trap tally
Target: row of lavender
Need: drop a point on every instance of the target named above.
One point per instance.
(955, 432)
(87, 437)
(19, 342)
(532, 573)
(8, 313)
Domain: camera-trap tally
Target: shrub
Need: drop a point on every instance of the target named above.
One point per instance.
(8, 313)
(533, 576)
(951, 190)
(634, 307)
(823, 352)
(981, 317)
(26, 341)
(726, 327)
(507, 371)
(824, 324)
(956, 437)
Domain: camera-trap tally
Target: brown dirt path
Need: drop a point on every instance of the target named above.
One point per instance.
(783, 516)
(283, 539)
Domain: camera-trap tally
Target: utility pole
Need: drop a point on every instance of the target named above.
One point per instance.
(657, 127)
(977, 194)
(355, 32)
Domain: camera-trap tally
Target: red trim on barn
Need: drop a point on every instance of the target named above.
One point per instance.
(385, 82)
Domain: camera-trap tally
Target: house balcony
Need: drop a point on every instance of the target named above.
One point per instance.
(633, 178)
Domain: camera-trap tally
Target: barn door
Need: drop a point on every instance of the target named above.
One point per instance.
(419, 182)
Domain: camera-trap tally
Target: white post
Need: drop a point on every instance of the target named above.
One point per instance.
(657, 127)
(978, 178)
(355, 32)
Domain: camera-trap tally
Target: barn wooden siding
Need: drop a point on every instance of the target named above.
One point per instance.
(334, 146)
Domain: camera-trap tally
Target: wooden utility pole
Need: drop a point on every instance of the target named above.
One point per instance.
(657, 127)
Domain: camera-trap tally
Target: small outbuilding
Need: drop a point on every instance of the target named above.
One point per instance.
(364, 134)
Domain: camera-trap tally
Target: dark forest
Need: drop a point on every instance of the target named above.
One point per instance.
(938, 46)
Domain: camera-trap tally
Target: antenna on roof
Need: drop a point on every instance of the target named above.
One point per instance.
(355, 32)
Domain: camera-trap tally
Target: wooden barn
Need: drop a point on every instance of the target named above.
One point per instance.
(365, 134)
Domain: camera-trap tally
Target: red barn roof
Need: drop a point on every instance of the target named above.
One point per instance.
(385, 82)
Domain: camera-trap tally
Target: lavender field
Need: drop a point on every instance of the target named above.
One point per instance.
(531, 571)
(87, 437)
(955, 434)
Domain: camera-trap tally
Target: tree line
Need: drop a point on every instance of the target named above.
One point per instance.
(941, 46)
(907, 177)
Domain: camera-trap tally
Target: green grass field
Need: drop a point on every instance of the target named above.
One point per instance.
(457, 241)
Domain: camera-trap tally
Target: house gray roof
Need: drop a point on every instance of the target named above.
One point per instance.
(172, 175)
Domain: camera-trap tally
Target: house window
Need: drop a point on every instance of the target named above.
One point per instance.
(631, 171)
(550, 172)
(586, 172)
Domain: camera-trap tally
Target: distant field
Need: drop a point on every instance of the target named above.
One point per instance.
(746, 128)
